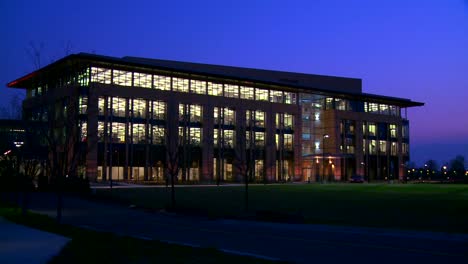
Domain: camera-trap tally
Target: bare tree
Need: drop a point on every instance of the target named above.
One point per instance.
(243, 153)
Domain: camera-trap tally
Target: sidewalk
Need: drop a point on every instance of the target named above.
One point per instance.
(21, 244)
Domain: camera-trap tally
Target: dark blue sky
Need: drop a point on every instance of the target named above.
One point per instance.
(415, 49)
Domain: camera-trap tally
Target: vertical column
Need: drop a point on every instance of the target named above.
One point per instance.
(359, 153)
(147, 146)
(92, 136)
(297, 125)
(207, 143)
(401, 169)
(172, 134)
(270, 148)
(239, 144)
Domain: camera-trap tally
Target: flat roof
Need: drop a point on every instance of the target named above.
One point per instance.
(348, 87)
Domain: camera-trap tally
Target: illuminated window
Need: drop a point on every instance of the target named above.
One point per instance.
(393, 130)
(289, 98)
(255, 118)
(118, 132)
(373, 108)
(83, 77)
(372, 129)
(261, 94)
(180, 85)
(276, 96)
(383, 147)
(190, 113)
(341, 104)
(119, 106)
(138, 133)
(139, 108)
(101, 131)
(195, 135)
(288, 141)
(159, 110)
(162, 83)
(329, 103)
(384, 109)
(83, 131)
(231, 91)
(373, 147)
(123, 78)
(224, 116)
(215, 89)
(198, 87)
(142, 80)
(247, 93)
(83, 104)
(101, 105)
(101, 75)
(288, 121)
(158, 136)
(259, 139)
(394, 149)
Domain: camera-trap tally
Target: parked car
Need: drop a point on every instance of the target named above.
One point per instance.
(356, 179)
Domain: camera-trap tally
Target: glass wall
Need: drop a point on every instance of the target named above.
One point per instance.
(167, 83)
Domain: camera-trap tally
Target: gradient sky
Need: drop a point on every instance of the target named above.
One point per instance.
(414, 49)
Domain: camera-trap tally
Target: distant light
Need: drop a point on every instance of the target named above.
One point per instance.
(7, 152)
(317, 116)
(18, 143)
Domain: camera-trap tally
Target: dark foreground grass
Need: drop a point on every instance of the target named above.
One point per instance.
(432, 207)
(89, 246)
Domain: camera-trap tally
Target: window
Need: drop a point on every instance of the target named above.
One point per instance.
(329, 103)
(373, 147)
(215, 89)
(383, 147)
(341, 104)
(83, 104)
(259, 139)
(394, 149)
(247, 93)
(373, 108)
(123, 78)
(372, 129)
(195, 136)
(84, 131)
(224, 116)
(276, 96)
(190, 113)
(162, 83)
(261, 94)
(142, 80)
(158, 136)
(138, 133)
(118, 106)
(289, 98)
(180, 85)
(139, 108)
(101, 105)
(159, 110)
(101, 75)
(384, 109)
(118, 132)
(393, 130)
(288, 141)
(288, 121)
(198, 87)
(231, 91)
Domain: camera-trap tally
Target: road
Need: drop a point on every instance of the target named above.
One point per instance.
(289, 242)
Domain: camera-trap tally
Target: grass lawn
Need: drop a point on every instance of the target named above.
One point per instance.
(433, 207)
(96, 247)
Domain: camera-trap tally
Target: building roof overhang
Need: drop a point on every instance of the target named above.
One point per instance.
(320, 84)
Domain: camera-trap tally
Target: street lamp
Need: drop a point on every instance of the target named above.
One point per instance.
(323, 154)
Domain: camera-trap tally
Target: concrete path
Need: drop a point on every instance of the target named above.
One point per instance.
(294, 243)
(21, 244)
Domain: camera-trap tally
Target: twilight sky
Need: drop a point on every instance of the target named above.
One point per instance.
(414, 49)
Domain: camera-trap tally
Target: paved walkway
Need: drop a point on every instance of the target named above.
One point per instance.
(21, 244)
